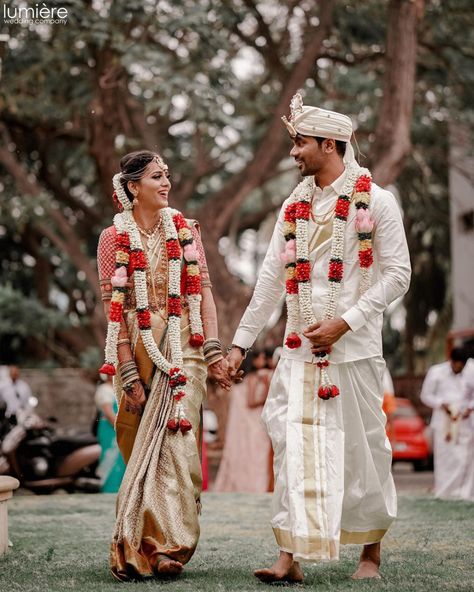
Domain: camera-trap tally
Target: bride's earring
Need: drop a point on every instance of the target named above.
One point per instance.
(135, 199)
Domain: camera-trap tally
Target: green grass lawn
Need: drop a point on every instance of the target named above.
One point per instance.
(61, 543)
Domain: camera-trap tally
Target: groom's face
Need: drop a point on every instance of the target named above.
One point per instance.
(308, 154)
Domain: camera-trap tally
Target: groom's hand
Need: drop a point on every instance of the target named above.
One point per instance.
(324, 334)
(234, 360)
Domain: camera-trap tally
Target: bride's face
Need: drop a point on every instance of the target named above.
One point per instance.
(153, 188)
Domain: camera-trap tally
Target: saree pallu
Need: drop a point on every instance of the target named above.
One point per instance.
(158, 502)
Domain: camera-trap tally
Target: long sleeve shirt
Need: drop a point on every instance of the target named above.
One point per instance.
(363, 314)
(443, 387)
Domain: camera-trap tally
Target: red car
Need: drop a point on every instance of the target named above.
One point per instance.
(407, 435)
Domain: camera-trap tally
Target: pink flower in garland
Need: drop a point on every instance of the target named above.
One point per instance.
(363, 222)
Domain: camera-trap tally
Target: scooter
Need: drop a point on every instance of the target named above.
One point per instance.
(44, 462)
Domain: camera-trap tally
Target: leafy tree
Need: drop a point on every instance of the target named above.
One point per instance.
(205, 83)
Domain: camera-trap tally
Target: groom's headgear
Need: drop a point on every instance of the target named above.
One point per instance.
(320, 123)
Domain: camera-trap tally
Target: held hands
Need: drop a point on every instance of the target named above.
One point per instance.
(234, 361)
(219, 372)
(135, 398)
(324, 334)
(226, 371)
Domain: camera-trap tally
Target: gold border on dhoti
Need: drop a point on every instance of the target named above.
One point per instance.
(312, 548)
(316, 546)
(362, 538)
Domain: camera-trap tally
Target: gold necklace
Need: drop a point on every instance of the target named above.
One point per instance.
(150, 234)
(321, 219)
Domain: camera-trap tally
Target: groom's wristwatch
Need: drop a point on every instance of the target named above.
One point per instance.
(243, 350)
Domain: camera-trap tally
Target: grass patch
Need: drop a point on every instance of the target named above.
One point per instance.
(61, 544)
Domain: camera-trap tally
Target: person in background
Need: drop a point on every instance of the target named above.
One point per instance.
(245, 463)
(448, 389)
(15, 393)
(111, 464)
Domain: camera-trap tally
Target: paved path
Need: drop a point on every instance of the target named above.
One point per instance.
(409, 481)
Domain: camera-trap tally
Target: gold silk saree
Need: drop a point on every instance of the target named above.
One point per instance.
(159, 500)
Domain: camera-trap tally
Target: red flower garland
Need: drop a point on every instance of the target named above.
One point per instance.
(301, 210)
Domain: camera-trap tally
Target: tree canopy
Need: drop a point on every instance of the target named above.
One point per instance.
(205, 83)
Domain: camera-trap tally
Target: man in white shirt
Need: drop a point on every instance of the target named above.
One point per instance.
(15, 392)
(339, 250)
(448, 389)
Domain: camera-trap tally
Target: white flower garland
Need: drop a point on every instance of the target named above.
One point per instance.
(125, 225)
(299, 304)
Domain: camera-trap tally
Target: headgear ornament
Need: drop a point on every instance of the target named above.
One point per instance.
(321, 123)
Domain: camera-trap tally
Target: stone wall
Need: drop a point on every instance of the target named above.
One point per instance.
(66, 394)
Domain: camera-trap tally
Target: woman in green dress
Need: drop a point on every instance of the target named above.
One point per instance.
(111, 464)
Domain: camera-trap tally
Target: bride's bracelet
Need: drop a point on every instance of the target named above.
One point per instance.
(212, 350)
(128, 373)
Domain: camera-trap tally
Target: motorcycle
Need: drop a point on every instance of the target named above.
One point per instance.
(43, 462)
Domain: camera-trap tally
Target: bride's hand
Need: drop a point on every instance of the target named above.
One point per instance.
(220, 373)
(135, 398)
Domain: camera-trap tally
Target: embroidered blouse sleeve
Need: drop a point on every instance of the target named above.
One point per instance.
(205, 279)
(269, 289)
(106, 261)
(391, 250)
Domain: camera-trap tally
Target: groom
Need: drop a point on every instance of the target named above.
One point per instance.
(339, 252)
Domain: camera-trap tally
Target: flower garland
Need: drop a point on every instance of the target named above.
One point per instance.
(130, 255)
(297, 265)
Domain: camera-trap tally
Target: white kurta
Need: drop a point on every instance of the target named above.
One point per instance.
(453, 440)
(332, 458)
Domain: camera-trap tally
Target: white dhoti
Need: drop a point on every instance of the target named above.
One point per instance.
(453, 466)
(332, 459)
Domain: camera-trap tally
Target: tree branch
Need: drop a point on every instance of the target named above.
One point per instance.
(392, 136)
(240, 185)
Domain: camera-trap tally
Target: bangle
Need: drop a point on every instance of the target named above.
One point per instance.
(121, 341)
(128, 372)
(212, 343)
(214, 358)
(212, 350)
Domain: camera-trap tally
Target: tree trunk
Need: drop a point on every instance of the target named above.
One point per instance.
(216, 214)
(392, 136)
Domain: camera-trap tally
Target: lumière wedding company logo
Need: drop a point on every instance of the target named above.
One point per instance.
(36, 14)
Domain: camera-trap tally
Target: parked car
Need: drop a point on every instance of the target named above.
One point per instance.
(408, 435)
